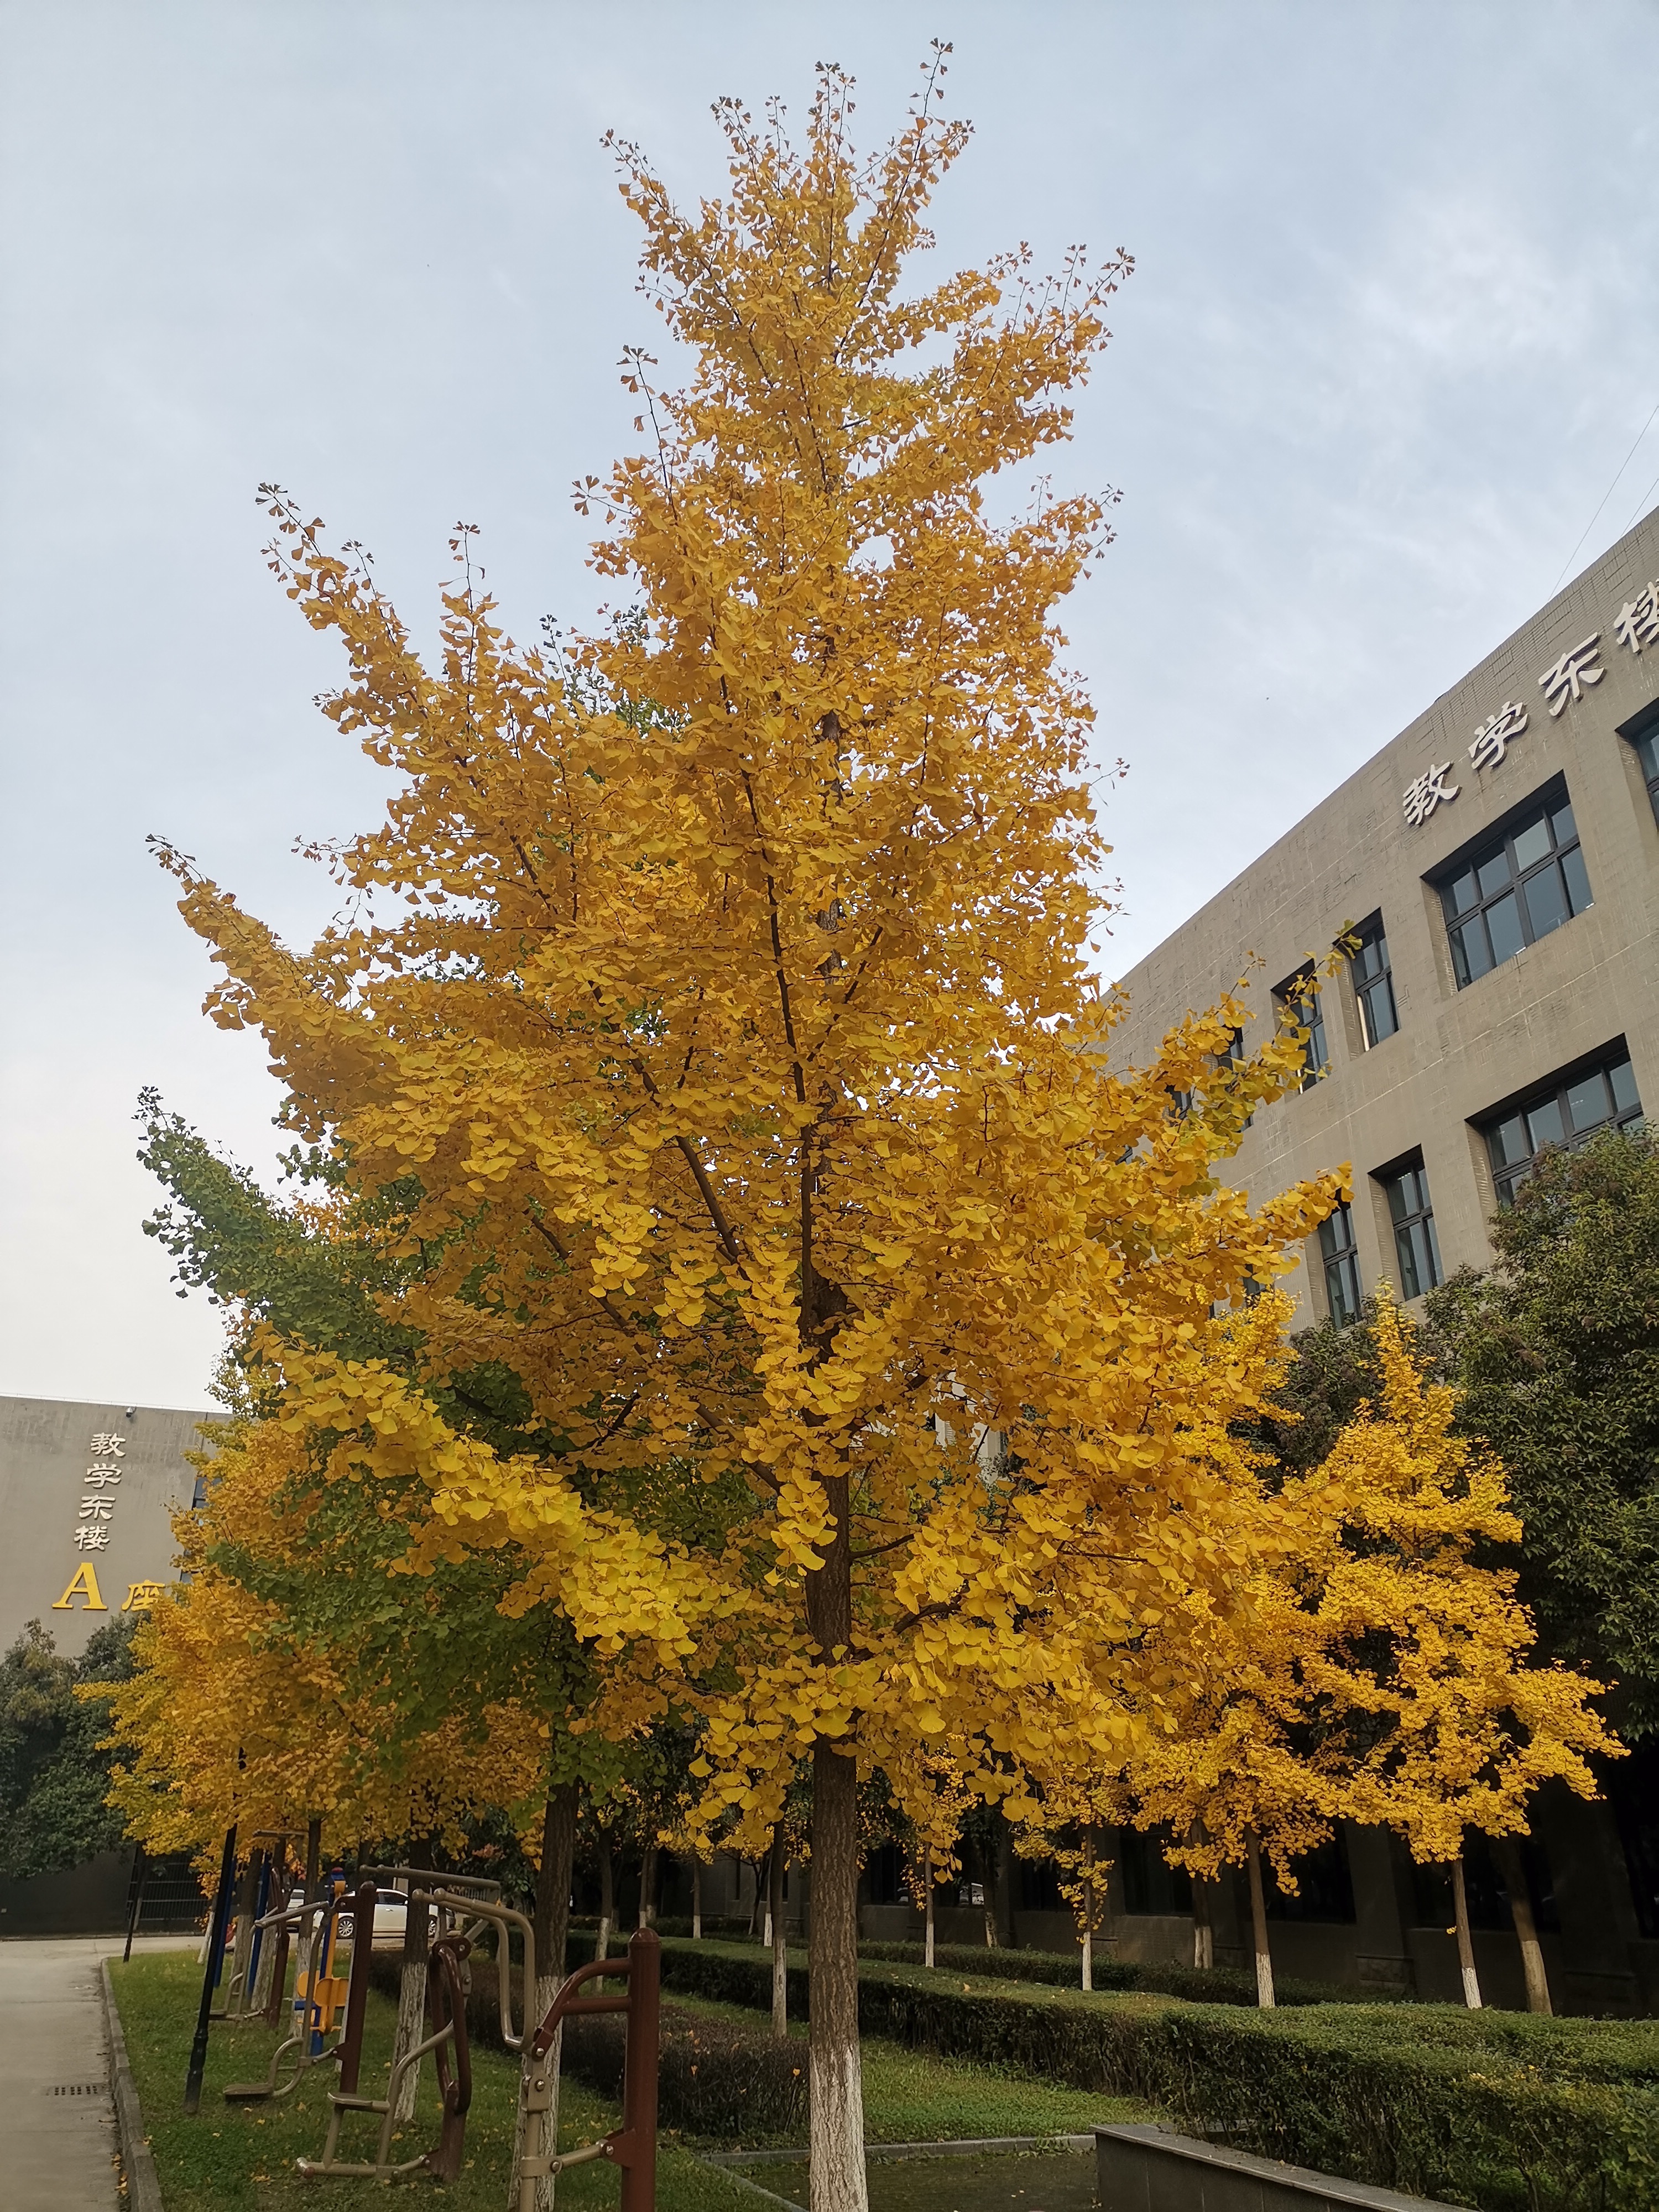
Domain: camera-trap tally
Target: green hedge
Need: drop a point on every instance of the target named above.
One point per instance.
(714, 2080)
(1199, 1985)
(1500, 2111)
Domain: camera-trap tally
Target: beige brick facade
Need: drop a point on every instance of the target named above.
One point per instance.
(1581, 995)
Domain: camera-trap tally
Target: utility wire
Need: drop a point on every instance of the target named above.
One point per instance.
(1641, 505)
(1605, 497)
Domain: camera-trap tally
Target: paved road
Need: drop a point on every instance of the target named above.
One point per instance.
(57, 2119)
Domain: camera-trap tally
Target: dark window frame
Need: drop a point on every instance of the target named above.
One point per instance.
(1498, 872)
(1339, 1252)
(1234, 1058)
(1153, 1886)
(1299, 997)
(1641, 734)
(1324, 1887)
(1371, 972)
(1510, 1166)
(1416, 1241)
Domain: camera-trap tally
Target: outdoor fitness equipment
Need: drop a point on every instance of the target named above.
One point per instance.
(320, 1993)
(462, 1919)
(317, 1992)
(633, 2146)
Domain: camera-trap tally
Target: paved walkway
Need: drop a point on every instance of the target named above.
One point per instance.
(56, 2117)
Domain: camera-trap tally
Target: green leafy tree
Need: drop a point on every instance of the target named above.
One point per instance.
(1557, 1352)
(54, 1778)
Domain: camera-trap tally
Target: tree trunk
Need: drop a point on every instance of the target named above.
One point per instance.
(696, 1900)
(239, 1996)
(984, 1857)
(1264, 1957)
(411, 1988)
(1088, 1910)
(1203, 1923)
(1465, 1941)
(835, 2101)
(1203, 1908)
(835, 2077)
(1513, 1868)
(265, 1972)
(779, 1942)
(551, 1923)
(607, 1903)
(649, 1887)
(927, 1904)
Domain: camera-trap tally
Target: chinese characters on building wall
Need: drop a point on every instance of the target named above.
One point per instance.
(1562, 684)
(92, 1531)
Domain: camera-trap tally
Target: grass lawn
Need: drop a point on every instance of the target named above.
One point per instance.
(241, 2157)
(911, 2096)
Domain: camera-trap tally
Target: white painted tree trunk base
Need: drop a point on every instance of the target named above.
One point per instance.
(838, 2181)
(547, 1988)
(411, 2019)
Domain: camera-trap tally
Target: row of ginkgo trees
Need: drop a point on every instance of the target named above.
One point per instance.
(750, 1292)
(1378, 1674)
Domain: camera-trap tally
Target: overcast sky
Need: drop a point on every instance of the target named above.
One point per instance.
(1391, 335)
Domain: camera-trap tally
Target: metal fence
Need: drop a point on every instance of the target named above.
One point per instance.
(164, 1897)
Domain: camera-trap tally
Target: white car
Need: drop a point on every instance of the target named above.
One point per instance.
(390, 1912)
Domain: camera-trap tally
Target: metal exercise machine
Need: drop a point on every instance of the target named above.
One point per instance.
(461, 1918)
(317, 1993)
(633, 2147)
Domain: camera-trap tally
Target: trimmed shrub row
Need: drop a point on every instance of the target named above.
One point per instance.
(714, 2080)
(1499, 2111)
(1199, 1985)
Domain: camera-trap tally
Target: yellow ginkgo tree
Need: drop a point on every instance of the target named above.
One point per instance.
(722, 985)
(1378, 1672)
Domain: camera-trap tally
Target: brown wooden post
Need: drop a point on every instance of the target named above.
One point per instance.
(362, 1942)
(636, 2152)
(453, 2062)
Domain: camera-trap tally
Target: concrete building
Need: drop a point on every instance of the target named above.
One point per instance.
(86, 1496)
(1498, 864)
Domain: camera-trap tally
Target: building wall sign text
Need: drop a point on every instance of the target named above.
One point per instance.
(1562, 684)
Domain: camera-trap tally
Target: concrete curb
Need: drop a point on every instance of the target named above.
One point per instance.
(143, 2183)
(731, 2163)
(956, 2146)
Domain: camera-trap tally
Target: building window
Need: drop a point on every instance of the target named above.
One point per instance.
(1299, 1000)
(1515, 890)
(1151, 1883)
(1373, 982)
(1337, 1249)
(1416, 1247)
(1232, 1059)
(1647, 751)
(1565, 1113)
